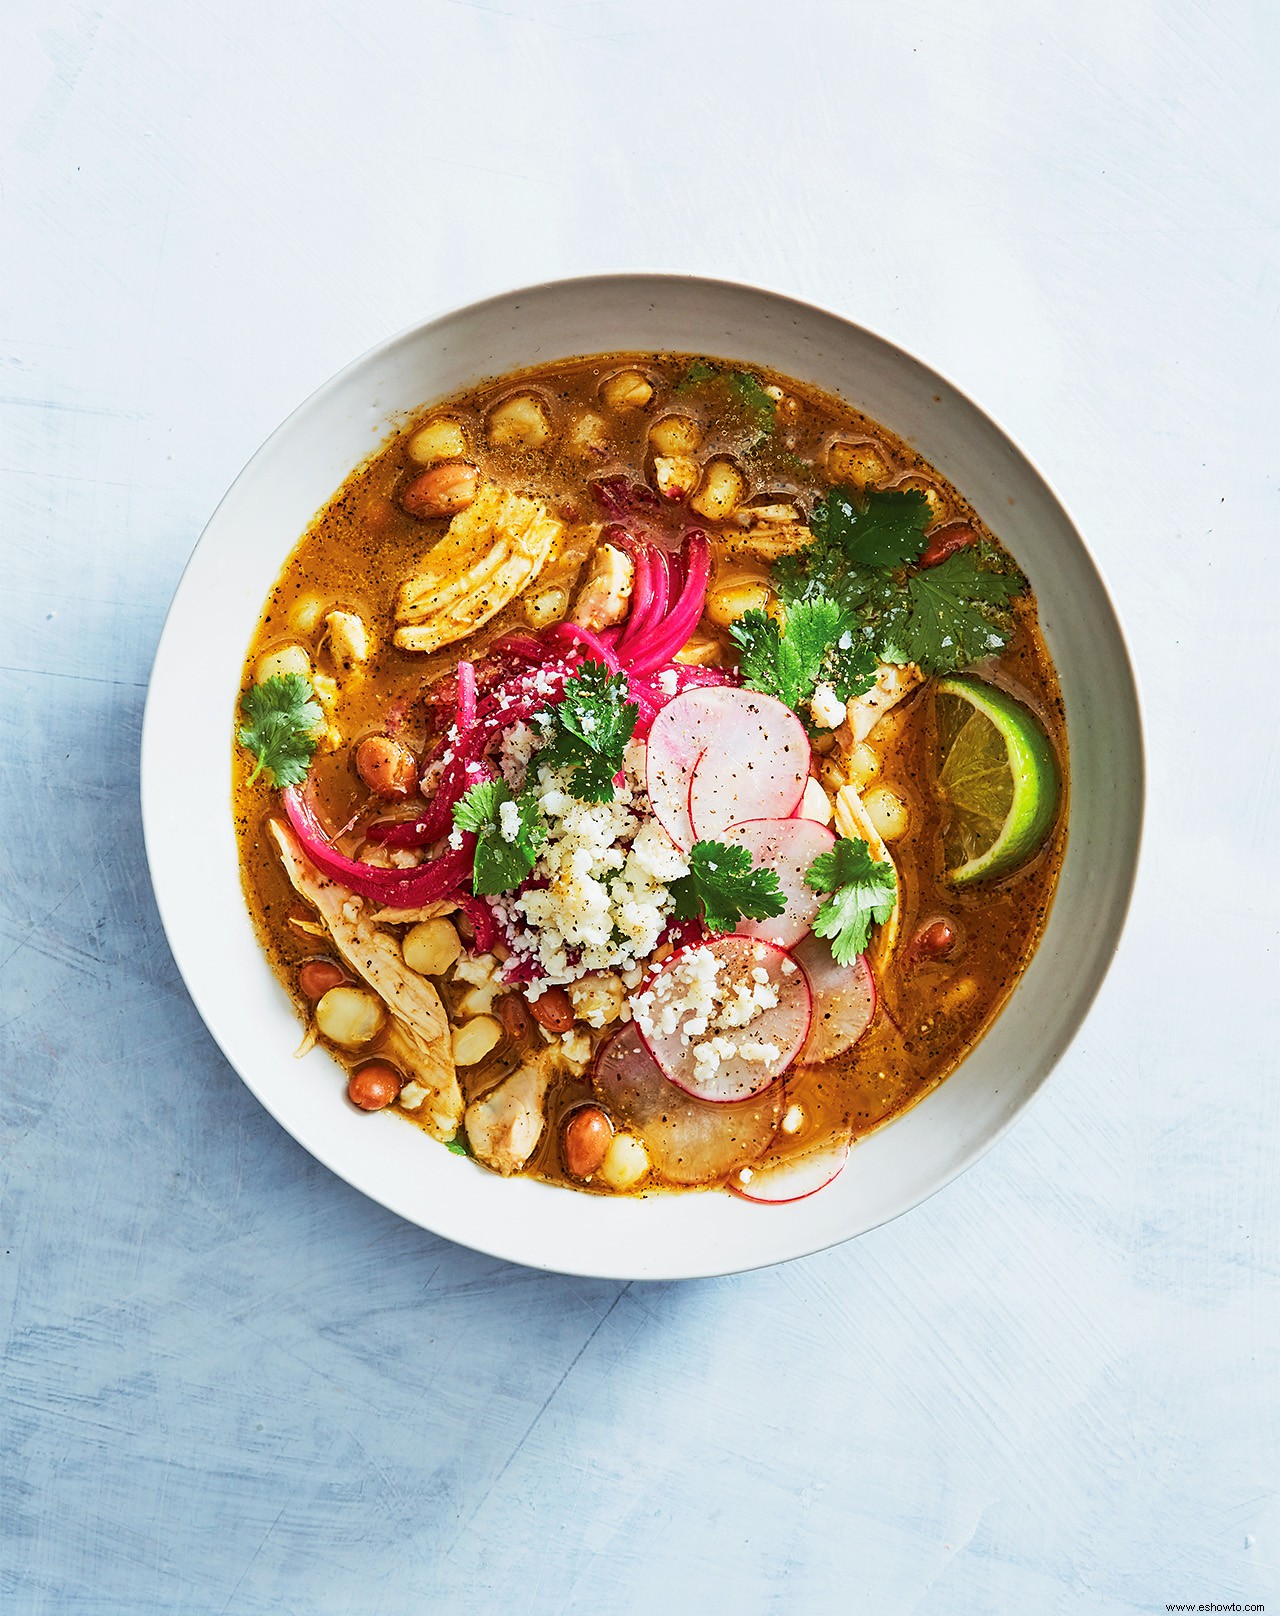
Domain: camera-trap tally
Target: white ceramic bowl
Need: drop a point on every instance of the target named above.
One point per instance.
(192, 849)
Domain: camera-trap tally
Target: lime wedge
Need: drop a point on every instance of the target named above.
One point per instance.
(998, 777)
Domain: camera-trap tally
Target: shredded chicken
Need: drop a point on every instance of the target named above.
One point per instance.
(505, 1125)
(852, 819)
(350, 642)
(411, 917)
(893, 684)
(419, 1037)
(491, 553)
(602, 600)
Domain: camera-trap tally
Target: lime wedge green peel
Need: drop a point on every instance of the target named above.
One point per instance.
(998, 776)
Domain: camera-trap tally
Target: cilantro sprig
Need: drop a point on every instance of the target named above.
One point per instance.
(507, 845)
(818, 642)
(861, 890)
(865, 556)
(959, 610)
(588, 731)
(284, 723)
(724, 887)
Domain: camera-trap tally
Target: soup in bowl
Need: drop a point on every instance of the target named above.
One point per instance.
(649, 781)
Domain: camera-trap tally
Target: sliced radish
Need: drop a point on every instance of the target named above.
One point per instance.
(735, 753)
(689, 1141)
(787, 847)
(844, 1000)
(756, 766)
(793, 1178)
(677, 740)
(751, 1057)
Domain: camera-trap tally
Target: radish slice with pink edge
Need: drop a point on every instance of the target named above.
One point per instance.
(794, 1177)
(844, 1000)
(756, 766)
(689, 1141)
(751, 752)
(758, 1053)
(787, 847)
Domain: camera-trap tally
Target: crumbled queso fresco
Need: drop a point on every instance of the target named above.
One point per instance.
(689, 999)
(597, 899)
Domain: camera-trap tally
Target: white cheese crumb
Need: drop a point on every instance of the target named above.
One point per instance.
(826, 708)
(482, 973)
(509, 821)
(412, 1095)
(794, 1120)
(577, 1048)
(601, 902)
(689, 998)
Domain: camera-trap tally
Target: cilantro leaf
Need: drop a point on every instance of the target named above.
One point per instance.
(770, 662)
(589, 730)
(724, 887)
(283, 729)
(881, 529)
(818, 642)
(958, 613)
(460, 1145)
(861, 890)
(507, 845)
(477, 809)
(864, 557)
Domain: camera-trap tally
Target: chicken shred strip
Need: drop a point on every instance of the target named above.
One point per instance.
(893, 684)
(492, 551)
(505, 1125)
(420, 1036)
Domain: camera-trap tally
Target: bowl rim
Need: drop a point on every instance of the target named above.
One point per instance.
(1123, 892)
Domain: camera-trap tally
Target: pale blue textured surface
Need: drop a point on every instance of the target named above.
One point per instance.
(230, 1383)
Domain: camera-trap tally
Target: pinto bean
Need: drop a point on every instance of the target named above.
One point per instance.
(553, 1010)
(388, 768)
(587, 1136)
(317, 976)
(946, 541)
(375, 1086)
(934, 940)
(513, 1013)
